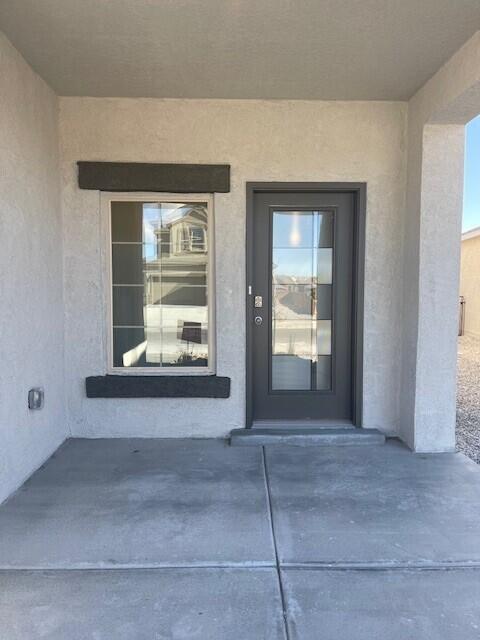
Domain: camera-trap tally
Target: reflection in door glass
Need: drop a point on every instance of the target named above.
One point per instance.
(302, 289)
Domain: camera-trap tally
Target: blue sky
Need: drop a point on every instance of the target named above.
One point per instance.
(471, 201)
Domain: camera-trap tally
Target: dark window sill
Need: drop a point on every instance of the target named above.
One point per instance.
(124, 386)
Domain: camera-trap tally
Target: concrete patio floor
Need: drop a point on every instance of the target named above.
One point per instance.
(175, 539)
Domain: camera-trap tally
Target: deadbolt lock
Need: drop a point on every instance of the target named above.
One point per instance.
(258, 320)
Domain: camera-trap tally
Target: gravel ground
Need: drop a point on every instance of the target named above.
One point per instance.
(468, 397)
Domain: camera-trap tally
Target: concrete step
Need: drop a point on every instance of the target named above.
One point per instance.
(306, 437)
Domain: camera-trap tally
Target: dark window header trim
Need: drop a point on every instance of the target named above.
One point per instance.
(145, 176)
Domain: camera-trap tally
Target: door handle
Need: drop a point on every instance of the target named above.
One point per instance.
(258, 320)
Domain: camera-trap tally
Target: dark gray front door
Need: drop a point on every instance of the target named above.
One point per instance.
(301, 247)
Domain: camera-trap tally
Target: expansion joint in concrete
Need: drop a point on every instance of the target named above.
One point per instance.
(275, 547)
(381, 566)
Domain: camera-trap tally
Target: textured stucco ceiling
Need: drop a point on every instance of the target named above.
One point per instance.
(304, 49)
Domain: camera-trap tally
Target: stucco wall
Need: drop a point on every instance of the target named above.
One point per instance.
(31, 330)
(470, 283)
(283, 141)
(435, 141)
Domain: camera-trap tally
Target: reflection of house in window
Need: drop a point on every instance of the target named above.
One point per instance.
(178, 274)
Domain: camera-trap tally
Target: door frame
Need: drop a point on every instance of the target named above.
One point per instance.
(359, 191)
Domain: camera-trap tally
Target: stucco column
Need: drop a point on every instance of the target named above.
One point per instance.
(431, 290)
(440, 232)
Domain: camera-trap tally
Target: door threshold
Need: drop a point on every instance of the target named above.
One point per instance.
(302, 424)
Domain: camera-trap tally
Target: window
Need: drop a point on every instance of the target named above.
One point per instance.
(161, 312)
(187, 237)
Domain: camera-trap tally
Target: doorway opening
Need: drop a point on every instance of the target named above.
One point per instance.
(468, 363)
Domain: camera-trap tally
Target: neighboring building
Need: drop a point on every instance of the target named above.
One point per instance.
(470, 280)
(259, 222)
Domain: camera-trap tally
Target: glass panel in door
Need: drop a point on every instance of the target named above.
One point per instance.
(302, 290)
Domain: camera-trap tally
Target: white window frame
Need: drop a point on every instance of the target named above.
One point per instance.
(105, 206)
